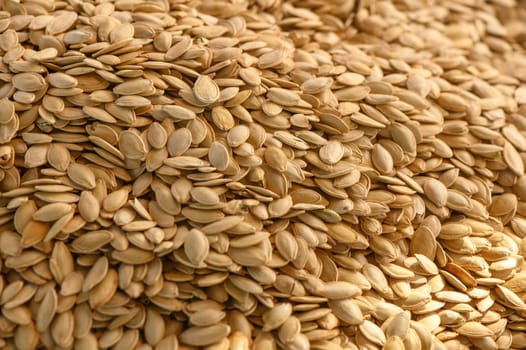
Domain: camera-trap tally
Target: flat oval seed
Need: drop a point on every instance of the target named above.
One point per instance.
(206, 90)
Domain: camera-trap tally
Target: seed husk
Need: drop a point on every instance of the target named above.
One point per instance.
(81, 175)
(206, 90)
(296, 175)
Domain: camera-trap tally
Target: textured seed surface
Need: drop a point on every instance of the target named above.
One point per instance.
(262, 174)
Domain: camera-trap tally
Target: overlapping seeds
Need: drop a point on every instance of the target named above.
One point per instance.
(262, 174)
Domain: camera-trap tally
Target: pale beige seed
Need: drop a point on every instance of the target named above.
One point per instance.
(276, 159)
(206, 90)
(132, 101)
(62, 329)
(8, 130)
(280, 207)
(59, 225)
(111, 337)
(520, 94)
(62, 80)
(129, 340)
(52, 212)
(179, 142)
(88, 206)
(436, 192)
(9, 40)
(278, 143)
(397, 324)
(343, 233)
(332, 152)
(238, 135)
(115, 200)
(474, 329)
(132, 87)
(179, 113)
(404, 137)
(178, 49)
(58, 156)
(346, 310)
(61, 23)
(427, 264)
(180, 190)
(45, 54)
(167, 343)
(28, 82)
(157, 136)
(47, 310)
(132, 145)
(218, 156)
(316, 85)
(338, 290)
(222, 118)
(458, 201)
(81, 175)
(509, 297)
(382, 159)
(349, 78)
(139, 225)
(202, 336)
(196, 246)
(206, 317)
(33, 233)
(98, 114)
(24, 97)
(32, 138)
(36, 156)
(7, 110)
(289, 329)
(163, 41)
(452, 102)
(72, 284)
(250, 75)
(204, 195)
(91, 241)
(283, 97)
(104, 291)
(513, 159)
(419, 84)
(26, 337)
(352, 94)
(88, 341)
(276, 316)
(124, 216)
(165, 198)
(286, 245)
(23, 296)
(96, 274)
(453, 297)
(18, 315)
(372, 332)
(245, 284)
(154, 327)
(53, 104)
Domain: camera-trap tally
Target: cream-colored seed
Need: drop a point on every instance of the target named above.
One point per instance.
(270, 174)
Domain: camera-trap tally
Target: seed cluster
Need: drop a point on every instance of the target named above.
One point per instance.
(270, 174)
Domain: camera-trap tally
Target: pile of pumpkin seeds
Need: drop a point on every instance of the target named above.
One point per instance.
(262, 174)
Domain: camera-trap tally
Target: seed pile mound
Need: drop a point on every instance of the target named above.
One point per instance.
(262, 174)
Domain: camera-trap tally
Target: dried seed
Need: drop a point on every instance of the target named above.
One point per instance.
(52, 212)
(194, 173)
(81, 175)
(202, 336)
(196, 247)
(28, 82)
(206, 90)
